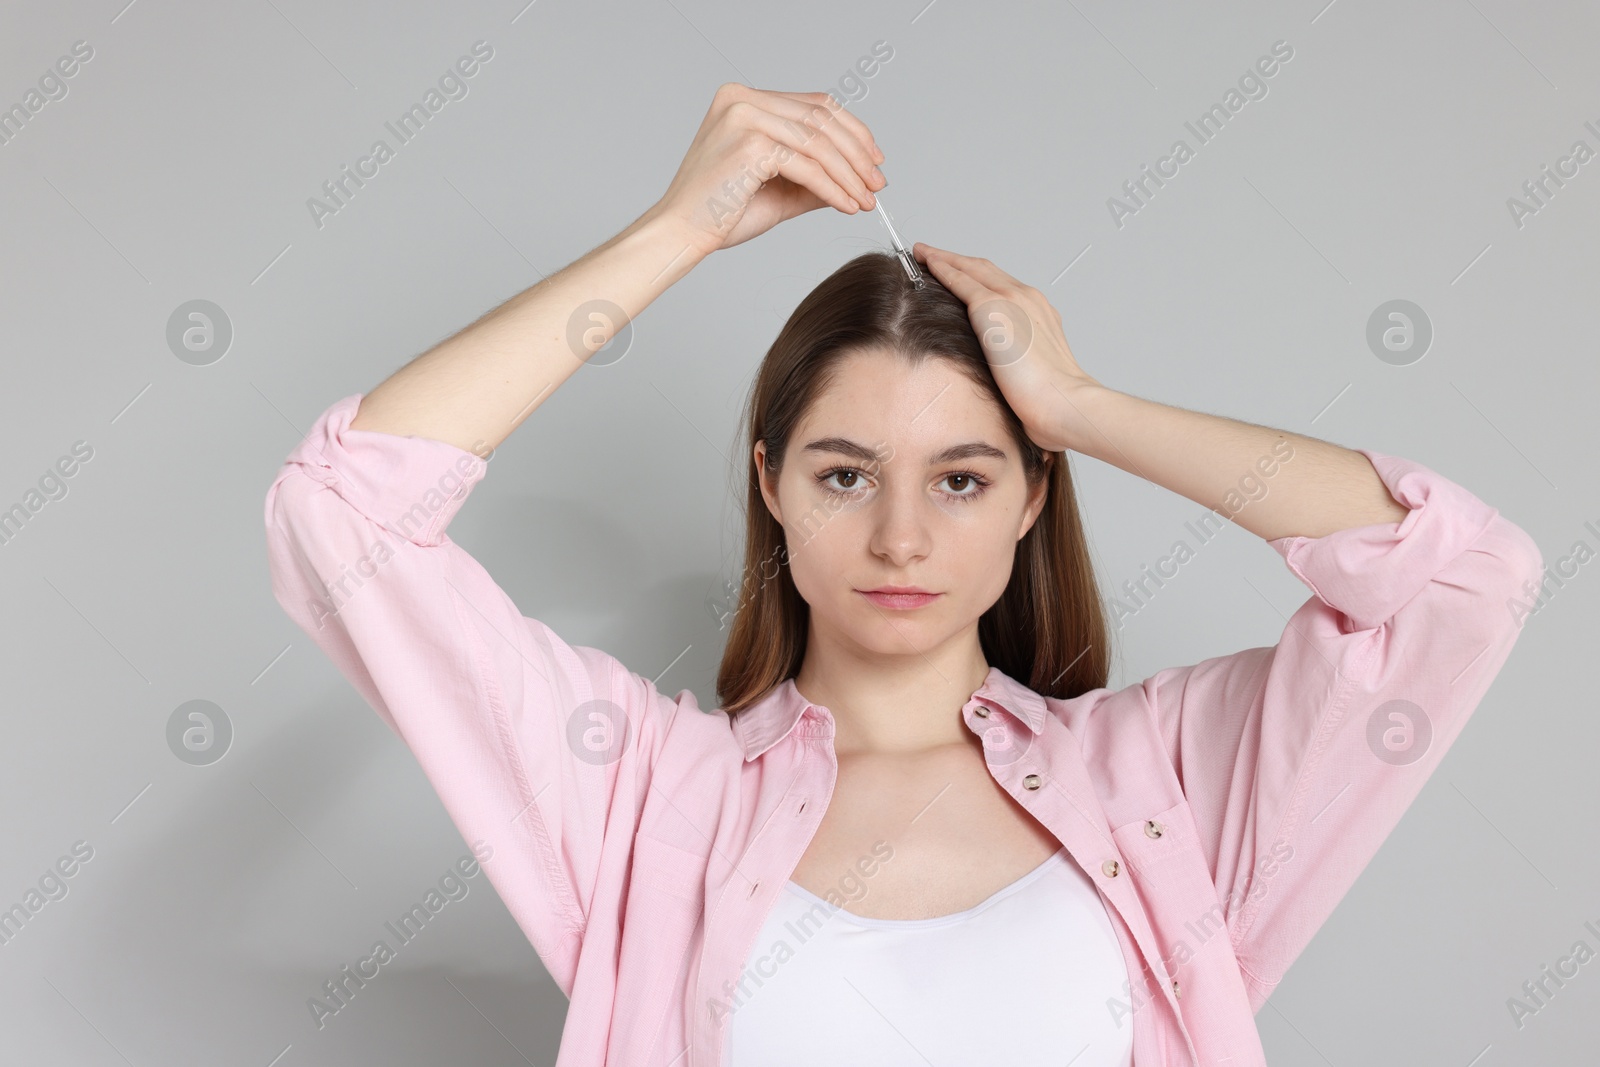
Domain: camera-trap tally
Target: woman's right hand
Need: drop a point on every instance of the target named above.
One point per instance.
(761, 157)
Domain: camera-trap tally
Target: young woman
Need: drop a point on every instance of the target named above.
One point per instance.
(918, 828)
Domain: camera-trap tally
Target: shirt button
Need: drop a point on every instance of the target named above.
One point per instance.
(981, 712)
(1152, 828)
(1033, 781)
(1111, 867)
(1175, 992)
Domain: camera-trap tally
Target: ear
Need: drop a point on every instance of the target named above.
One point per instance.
(1038, 494)
(767, 481)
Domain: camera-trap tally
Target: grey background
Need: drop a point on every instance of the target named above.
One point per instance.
(178, 167)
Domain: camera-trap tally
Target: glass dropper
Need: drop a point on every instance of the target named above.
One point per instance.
(906, 258)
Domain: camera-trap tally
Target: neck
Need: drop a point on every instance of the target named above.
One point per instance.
(893, 704)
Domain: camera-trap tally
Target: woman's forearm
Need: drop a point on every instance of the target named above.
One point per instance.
(472, 389)
(1272, 482)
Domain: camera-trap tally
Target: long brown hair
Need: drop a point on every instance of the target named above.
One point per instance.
(1048, 629)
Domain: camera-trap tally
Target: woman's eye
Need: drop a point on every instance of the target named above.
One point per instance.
(967, 486)
(827, 479)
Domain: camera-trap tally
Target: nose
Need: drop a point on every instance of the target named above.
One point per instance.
(901, 532)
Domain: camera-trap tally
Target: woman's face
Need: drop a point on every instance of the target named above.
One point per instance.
(900, 475)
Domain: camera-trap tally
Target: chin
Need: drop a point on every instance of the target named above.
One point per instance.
(898, 634)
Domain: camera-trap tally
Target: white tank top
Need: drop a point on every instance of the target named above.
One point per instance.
(1023, 977)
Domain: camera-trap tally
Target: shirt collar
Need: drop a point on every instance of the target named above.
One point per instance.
(773, 717)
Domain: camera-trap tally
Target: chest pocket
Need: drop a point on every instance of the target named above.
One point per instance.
(661, 932)
(1164, 861)
(667, 867)
(1150, 847)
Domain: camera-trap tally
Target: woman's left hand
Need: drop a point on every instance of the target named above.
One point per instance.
(1021, 335)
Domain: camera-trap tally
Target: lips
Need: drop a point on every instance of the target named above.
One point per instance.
(899, 598)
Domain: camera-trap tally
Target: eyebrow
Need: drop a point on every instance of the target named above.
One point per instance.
(845, 447)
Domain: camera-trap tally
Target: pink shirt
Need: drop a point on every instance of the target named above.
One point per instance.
(1222, 809)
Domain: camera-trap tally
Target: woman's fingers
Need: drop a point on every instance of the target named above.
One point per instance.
(787, 122)
(989, 275)
(849, 125)
(848, 117)
(974, 279)
(779, 152)
(782, 154)
(810, 175)
(982, 269)
(821, 112)
(952, 277)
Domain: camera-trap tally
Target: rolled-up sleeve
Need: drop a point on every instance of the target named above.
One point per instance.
(537, 748)
(1298, 760)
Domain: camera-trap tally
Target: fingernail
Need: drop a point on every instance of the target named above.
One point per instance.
(880, 176)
